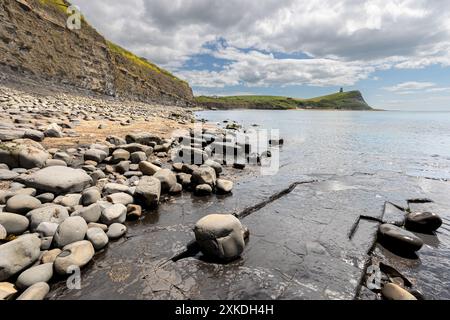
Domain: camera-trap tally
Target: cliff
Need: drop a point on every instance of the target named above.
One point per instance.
(352, 100)
(35, 41)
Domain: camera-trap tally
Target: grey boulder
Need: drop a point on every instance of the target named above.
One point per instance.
(116, 213)
(14, 224)
(40, 273)
(97, 237)
(51, 213)
(148, 191)
(71, 230)
(22, 204)
(74, 255)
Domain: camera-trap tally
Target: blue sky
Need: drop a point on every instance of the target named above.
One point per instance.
(397, 52)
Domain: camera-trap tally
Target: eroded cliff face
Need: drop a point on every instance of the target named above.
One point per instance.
(35, 41)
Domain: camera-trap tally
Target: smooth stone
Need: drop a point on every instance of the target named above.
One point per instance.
(47, 229)
(96, 155)
(46, 197)
(122, 167)
(189, 168)
(53, 131)
(18, 254)
(184, 179)
(204, 175)
(220, 236)
(71, 230)
(392, 291)
(22, 204)
(3, 232)
(423, 221)
(91, 213)
(189, 155)
(143, 138)
(176, 189)
(7, 291)
(35, 135)
(76, 254)
(102, 226)
(40, 273)
(7, 174)
(215, 165)
(138, 156)
(224, 186)
(168, 179)
(97, 175)
(51, 213)
(116, 231)
(37, 291)
(203, 190)
(63, 156)
(50, 256)
(101, 147)
(148, 168)
(70, 200)
(120, 155)
(13, 223)
(90, 196)
(117, 141)
(148, 191)
(97, 237)
(59, 180)
(177, 166)
(111, 188)
(399, 239)
(134, 211)
(116, 213)
(123, 198)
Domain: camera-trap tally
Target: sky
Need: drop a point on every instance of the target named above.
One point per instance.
(396, 52)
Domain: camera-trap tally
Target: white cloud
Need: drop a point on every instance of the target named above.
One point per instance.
(410, 86)
(348, 39)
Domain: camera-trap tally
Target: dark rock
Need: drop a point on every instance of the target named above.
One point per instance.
(423, 221)
(399, 239)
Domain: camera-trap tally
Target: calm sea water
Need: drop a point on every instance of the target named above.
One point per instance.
(415, 143)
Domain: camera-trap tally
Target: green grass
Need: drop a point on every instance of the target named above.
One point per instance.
(141, 61)
(351, 100)
(60, 4)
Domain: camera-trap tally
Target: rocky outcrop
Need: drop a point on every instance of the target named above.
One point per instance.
(35, 41)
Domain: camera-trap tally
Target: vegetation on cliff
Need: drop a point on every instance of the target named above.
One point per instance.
(352, 100)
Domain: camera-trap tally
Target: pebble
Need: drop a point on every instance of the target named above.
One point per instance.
(204, 175)
(116, 213)
(33, 275)
(90, 196)
(14, 224)
(399, 239)
(102, 226)
(97, 237)
(224, 186)
(76, 254)
(134, 211)
(116, 231)
(45, 197)
(423, 221)
(167, 178)
(18, 254)
(148, 191)
(7, 291)
(71, 230)
(91, 213)
(22, 204)
(50, 256)
(123, 198)
(37, 291)
(392, 291)
(47, 229)
(96, 155)
(111, 188)
(3, 233)
(148, 168)
(203, 190)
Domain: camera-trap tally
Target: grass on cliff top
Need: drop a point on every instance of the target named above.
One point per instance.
(59, 4)
(344, 100)
(141, 61)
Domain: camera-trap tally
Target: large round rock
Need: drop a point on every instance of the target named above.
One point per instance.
(148, 191)
(204, 175)
(22, 203)
(59, 180)
(97, 237)
(14, 224)
(399, 239)
(392, 291)
(220, 236)
(40, 273)
(37, 291)
(423, 221)
(18, 254)
(168, 179)
(71, 230)
(74, 255)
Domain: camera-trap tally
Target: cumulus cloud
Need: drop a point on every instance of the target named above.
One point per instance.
(347, 39)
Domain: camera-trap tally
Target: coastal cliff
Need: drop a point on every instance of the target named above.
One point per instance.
(352, 100)
(35, 42)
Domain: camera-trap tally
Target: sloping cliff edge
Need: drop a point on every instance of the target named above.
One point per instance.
(35, 42)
